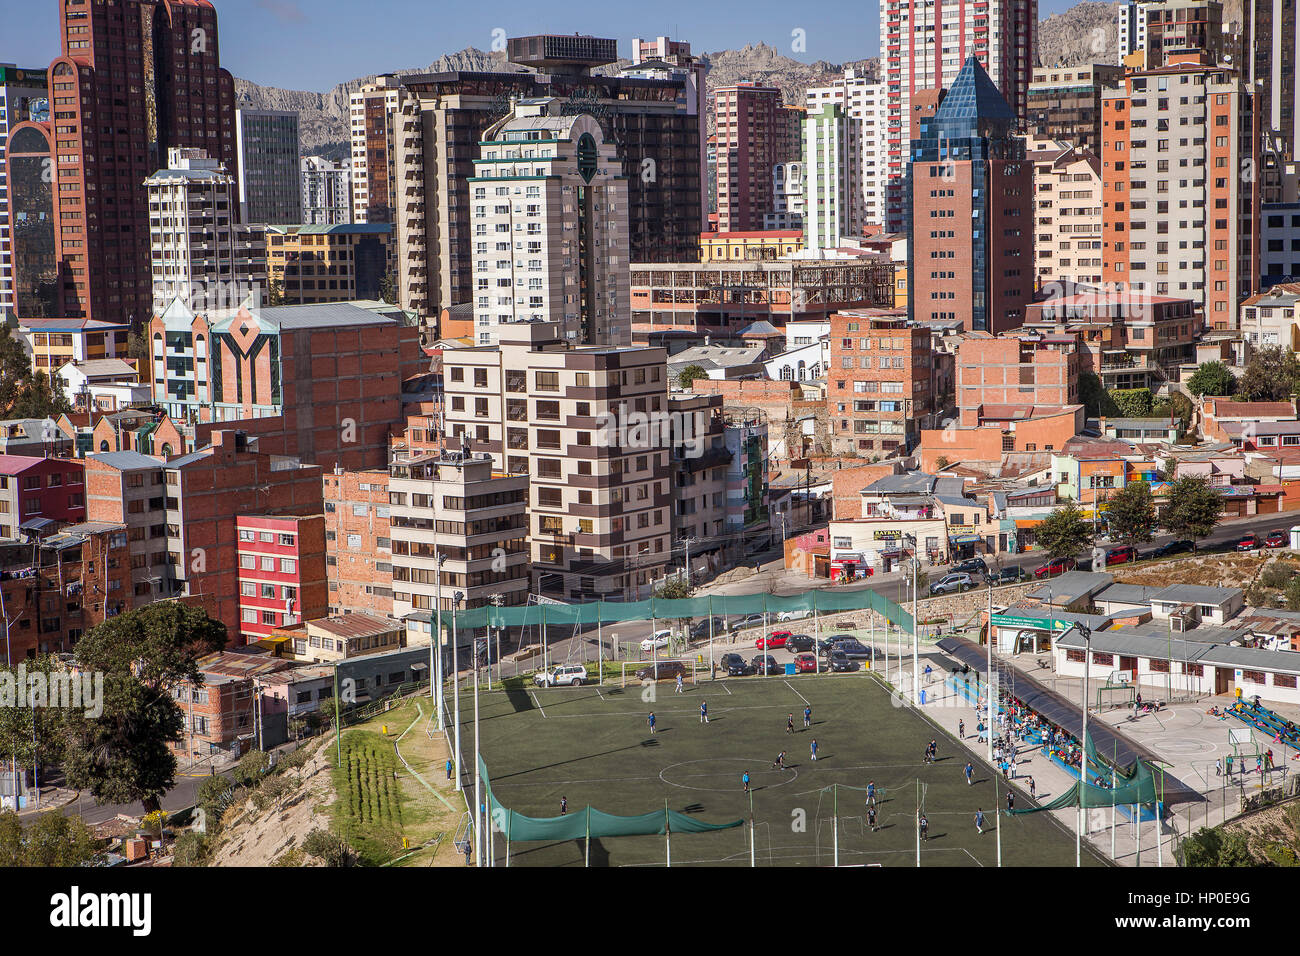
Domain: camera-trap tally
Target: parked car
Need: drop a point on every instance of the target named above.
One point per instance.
(853, 650)
(805, 663)
(726, 661)
(970, 566)
(1181, 546)
(952, 582)
(664, 670)
(566, 675)
(800, 643)
(791, 616)
(766, 664)
(827, 644)
(1121, 555)
(775, 639)
(839, 661)
(700, 629)
(1276, 539)
(660, 640)
(1248, 542)
(1055, 566)
(1012, 574)
(749, 620)
(739, 669)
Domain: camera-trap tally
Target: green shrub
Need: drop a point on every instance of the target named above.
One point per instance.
(191, 849)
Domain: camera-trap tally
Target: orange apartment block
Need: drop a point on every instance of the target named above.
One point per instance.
(358, 550)
(879, 391)
(1023, 371)
(1033, 430)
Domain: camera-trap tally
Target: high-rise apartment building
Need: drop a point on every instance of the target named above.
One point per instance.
(270, 188)
(749, 125)
(23, 96)
(787, 199)
(865, 101)
(1065, 102)
(832, 177)
(1179, 217)
(459, 525)
(666, 59)
(589, 426)
(374, 118)
(326, 192)
(550, 214)
(199, 253)
(1067, 215)
(970, 253)
(136, 78)
(657, 142)
(1273, 45)
(1159, 28)
(924, 46)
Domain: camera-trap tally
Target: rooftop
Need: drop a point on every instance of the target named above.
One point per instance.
(357, 624)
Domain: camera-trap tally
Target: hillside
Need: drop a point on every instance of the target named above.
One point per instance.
(1085, 33)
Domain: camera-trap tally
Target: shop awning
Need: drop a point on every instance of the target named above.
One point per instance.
(965, 538)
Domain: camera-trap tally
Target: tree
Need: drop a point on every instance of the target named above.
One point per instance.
(1132, 402)
(32, 737)
(672, 590)
(1272, 375)
(941, 463)
(1094, 398)
(1212, 378)
(251, 768)
(1192, 508)
(144, 654)
(1132, 513)
(330, 849)
(57, 840)
(1064, 533)
(688, 375)
(274, 292)
(388, 288)
(25, 393)
(1292, 594)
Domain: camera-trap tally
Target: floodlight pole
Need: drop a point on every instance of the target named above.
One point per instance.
(918, 821)
(997, 814)
(455, 686)
(835, 821)
(1083, 744)
(480, 834)
(916, 638)
(988, 683)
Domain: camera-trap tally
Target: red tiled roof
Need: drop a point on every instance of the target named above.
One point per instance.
(1229, 409)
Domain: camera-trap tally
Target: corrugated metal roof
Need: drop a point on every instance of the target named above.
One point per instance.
(126, 460)
(357, 624)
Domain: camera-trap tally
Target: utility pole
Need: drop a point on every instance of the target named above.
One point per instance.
(1086, 632)
(455, 677)
(988, 683)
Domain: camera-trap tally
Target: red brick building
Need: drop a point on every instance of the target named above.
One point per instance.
(1023, 371)
(358, 550)
(30, 488)
(281, 572)
(180, 515)
(751, 129)
(321, 381)
(879, 393)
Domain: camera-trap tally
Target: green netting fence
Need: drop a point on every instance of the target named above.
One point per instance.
(1134, 784)
(588, 822)
(607, 612)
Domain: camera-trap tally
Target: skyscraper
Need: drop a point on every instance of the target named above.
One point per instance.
(832, 177)
(136, 78)
(23, 96)
(270, 187)
(865, 101)
(550, 228)
(969, 193)
(326, 192)
(750, 127)
(374, 119)
(923, 47)
(445, 114)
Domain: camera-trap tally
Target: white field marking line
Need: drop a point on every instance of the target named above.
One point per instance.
(799, 852)
(726, 688)
(600, 695)
(796, 693)
(642, 713)
(882, 793)
(538, 703)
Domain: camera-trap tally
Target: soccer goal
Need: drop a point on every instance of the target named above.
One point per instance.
(662, 670)
(1113, 694)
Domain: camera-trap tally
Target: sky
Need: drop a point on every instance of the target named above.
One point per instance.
(314, 44)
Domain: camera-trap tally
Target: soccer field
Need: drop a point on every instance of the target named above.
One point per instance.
(593, 746)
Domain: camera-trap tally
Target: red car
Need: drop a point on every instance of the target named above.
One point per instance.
(805, 663)
(1248, 542)
(1121, 555)
(1275, 539)
(775, 639)
(1056, 566)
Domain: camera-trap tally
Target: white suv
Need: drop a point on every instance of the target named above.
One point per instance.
(567, 675)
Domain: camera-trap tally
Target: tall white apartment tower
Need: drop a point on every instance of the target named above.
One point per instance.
(1132, 28)
(549, 207)
(864, 101)
(200, 253)
(326, 192)
(923, 47)
(374, 121)
(832, 176)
